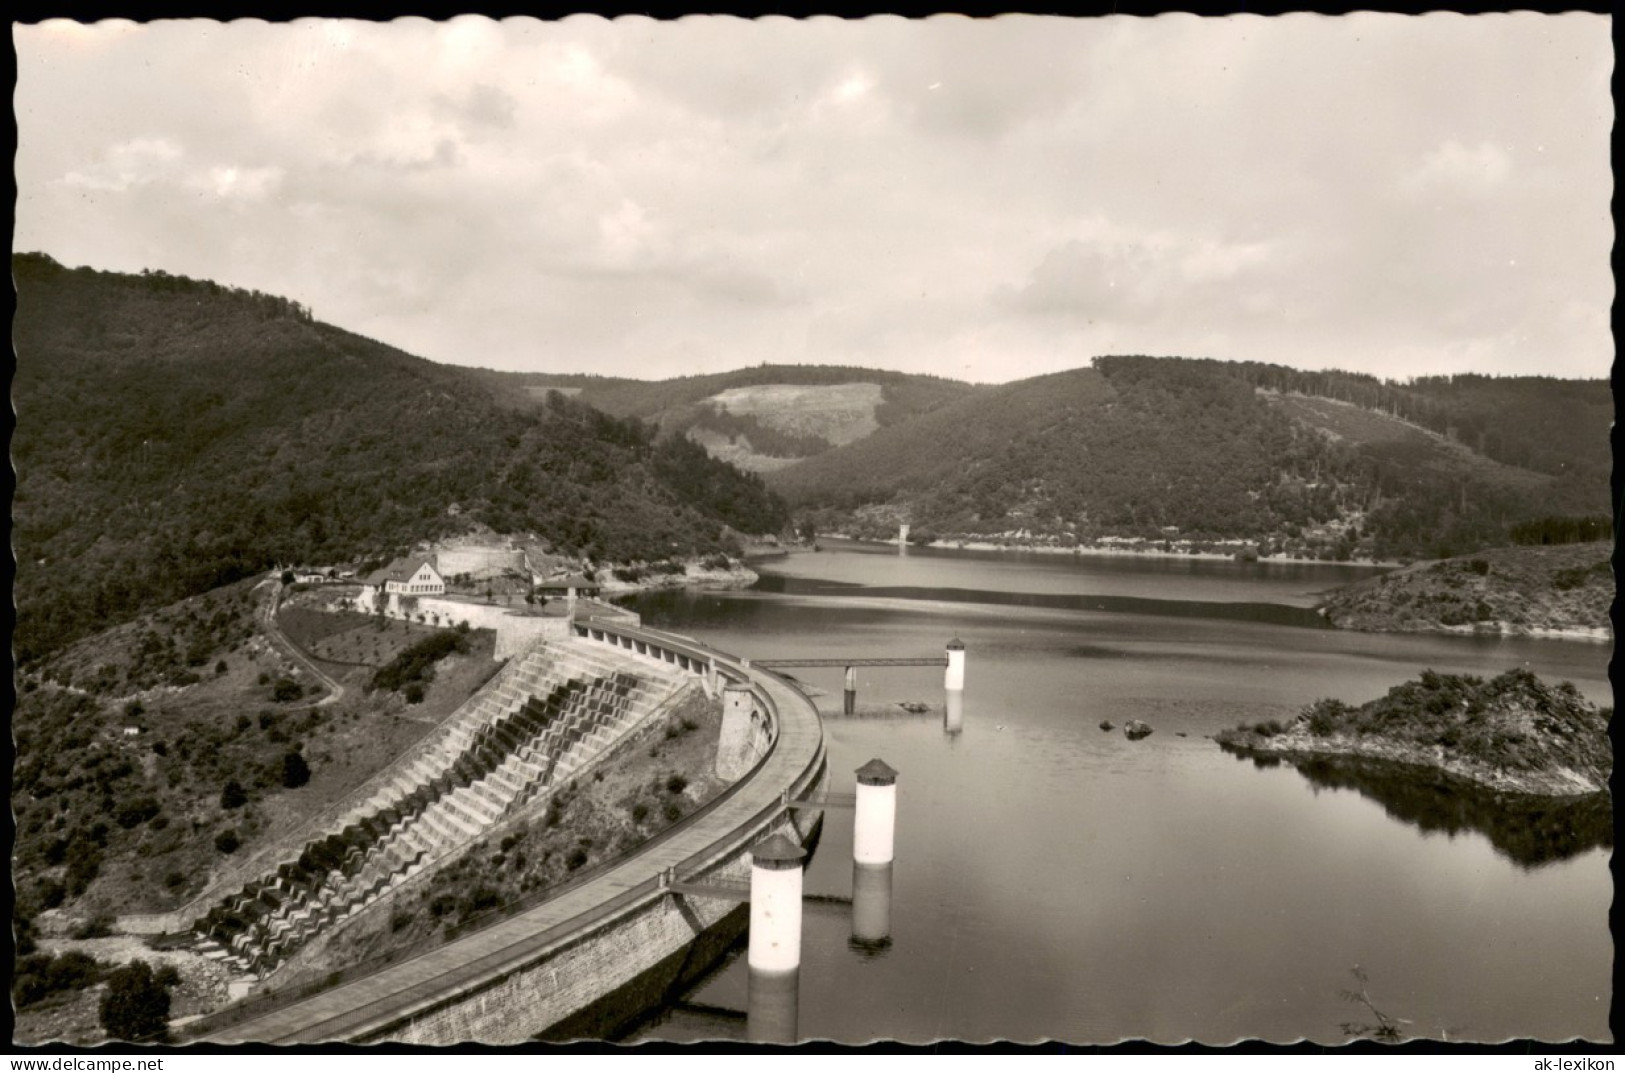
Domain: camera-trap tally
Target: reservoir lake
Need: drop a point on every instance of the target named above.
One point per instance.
(1057, 882)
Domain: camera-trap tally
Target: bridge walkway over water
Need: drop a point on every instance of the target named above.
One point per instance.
(365, 1007)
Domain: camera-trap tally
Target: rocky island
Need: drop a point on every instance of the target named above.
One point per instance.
(1511, 734)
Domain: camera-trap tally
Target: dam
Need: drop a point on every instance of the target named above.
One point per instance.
(602, 949)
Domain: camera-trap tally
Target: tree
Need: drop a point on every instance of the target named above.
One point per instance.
(232, 795)
(295, 772)
(136, 1006)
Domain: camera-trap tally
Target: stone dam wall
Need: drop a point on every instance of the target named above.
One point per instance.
(599, 982)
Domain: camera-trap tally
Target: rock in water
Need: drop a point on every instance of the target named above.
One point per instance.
(1107, 724)
(1134, 730)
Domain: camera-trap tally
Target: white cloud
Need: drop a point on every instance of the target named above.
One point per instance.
(997, 195)
(1453, 168)
(234, 182)
(127, 164)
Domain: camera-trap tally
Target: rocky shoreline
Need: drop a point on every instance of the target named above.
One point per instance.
(1299, 745)
(1124, 548)
(1513, 734)
(1559, 592)
(736, 576)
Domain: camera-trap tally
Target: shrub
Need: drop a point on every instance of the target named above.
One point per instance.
(84, 864)
(1478, 566)
(481, 899)
(676, 783)
(295, 772)
(1324, 716)
(575, 859)
(226, 841)
(50, 893)
(413, 693)
(639, 812)
(40, 975)
(99, 926)
(286, 691)
(136, 1006)
(232, 795)
(673, 811)
(417, 661)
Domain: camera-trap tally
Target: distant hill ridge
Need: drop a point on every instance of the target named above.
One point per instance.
(1138, 446)
(1310, 463)
(761, 418)
(174, 435)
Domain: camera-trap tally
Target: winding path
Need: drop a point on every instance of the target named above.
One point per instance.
(335, 692)
(358, 1008)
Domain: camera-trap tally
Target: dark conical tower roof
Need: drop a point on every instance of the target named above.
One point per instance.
(777, 854)
(877, 773)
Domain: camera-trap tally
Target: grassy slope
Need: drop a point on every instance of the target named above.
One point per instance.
(78, 771)
(1566, 587)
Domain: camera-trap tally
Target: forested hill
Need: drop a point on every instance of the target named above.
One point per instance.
(1301, 462)
(174, 435)
(762, 418)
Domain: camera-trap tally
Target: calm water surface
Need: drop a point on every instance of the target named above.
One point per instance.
(1057, 882)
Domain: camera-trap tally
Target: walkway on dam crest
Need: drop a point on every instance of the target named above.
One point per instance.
(355, 1009)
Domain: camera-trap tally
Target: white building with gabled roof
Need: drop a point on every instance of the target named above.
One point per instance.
(414, 576)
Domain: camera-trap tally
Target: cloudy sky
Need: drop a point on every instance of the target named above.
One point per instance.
(979, 199)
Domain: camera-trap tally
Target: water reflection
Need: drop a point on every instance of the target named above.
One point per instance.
(1527, 829)
(773, 1009)
(871, 909)
(1272, 613)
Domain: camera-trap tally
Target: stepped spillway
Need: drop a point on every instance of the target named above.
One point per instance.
(555, 709)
